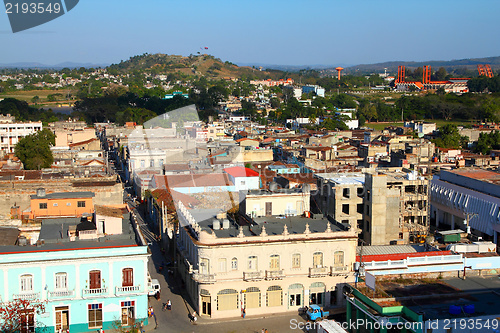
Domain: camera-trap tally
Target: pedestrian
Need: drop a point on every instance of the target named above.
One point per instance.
(142, 327)
(157, 295)
(149, 311)
(262, 331)
(169, 305)
(265, 331)
(194, 318)
(243, 313)
(152, 312)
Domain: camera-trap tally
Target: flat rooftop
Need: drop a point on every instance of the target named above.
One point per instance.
(274, 224)
(343, 179)
(433, 297)
(390, 249)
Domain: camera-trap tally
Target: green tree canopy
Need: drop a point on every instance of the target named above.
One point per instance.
(34, 150)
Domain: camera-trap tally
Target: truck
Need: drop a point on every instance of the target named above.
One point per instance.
(153, 286)
(316, 313)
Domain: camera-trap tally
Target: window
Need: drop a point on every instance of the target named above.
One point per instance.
(222, 265)
(26, 283)
(127, 277)
(296, 260)
(274, 296)
(61, 281)
(234, 264)
(151, 163)
(81, 204)
(43, 205)
(55, 204)
(161, 162)
(317, 259)
(359, 208)
(360, 191)
(338, 258)
(95, 279)
(227, 299)
(143, 163)
(345, 208)
(128, 309)
(346, 193)
(95, 315)
(204, 266)
(252, 263)
(68, 203)
(274, 262)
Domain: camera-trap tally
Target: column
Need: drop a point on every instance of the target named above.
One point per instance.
(452, 222)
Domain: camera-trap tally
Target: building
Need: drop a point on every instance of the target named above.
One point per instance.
(272, 265)
(243, 178)
(385, 207)
(11, 133)
(85, 284)
(284, 202)
(468, 199)
(72, 204)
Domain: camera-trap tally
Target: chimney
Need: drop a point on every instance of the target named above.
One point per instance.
(40, 192)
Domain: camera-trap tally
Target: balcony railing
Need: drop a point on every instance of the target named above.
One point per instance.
(204, 278)
(94, 292)
(339, 270)
(129, 289)
(275, 275)
(319, 271)
(27, 296)
(253, 276)
(61, 294)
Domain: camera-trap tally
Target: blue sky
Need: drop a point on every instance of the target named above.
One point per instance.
(292, 32)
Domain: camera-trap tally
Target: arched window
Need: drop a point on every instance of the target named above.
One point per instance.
(26, 283)
(252, 263)
(296, 260)
(338, 258)
(274, 262)
(227, 299)
(317, 259)
(274, 296)
(234, 264)
(127, 277)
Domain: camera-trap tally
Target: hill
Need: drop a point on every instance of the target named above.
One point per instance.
(193, 65)
(450, 66)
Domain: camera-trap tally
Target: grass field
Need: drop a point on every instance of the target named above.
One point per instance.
(439, 122)
(28, 95)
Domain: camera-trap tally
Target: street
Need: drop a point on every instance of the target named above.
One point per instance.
(178, 318)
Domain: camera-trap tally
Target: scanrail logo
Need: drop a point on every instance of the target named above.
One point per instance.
(25, 14)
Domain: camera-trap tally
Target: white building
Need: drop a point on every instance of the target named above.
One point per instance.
(274, 265)
(11, 133)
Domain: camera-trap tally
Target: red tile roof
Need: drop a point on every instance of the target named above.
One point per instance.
(241, 172)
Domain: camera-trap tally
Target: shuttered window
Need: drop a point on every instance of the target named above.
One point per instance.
(95, 279)
(227, 299)
(274, 296)
(127, 277)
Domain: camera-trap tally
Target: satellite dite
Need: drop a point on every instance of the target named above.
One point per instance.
(26, 14)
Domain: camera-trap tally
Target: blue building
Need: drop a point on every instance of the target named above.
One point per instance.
(85, 282)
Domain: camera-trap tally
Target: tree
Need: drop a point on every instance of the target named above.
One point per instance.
(19, 314)
(34, 150)
(35, 99)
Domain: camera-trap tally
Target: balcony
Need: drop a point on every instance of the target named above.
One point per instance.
(61, 294)
(28, 296)
(253, 276)
(97, 292)
(204, 278)
(127, 290)
(319, 271)
(275, 275)
(339, 270)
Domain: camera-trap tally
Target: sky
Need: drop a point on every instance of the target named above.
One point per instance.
(292, 32)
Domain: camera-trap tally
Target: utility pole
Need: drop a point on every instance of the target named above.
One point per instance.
(468, 216)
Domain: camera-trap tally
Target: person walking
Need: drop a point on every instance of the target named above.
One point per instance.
(243, 313)
(169, 305)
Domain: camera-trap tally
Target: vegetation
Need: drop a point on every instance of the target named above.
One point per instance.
(34, 150)
(19, 313)
(487, 142)
(23, 112)
(450, 138)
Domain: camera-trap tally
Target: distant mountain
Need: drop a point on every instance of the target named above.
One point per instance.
(451, 65)
(35, 65)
